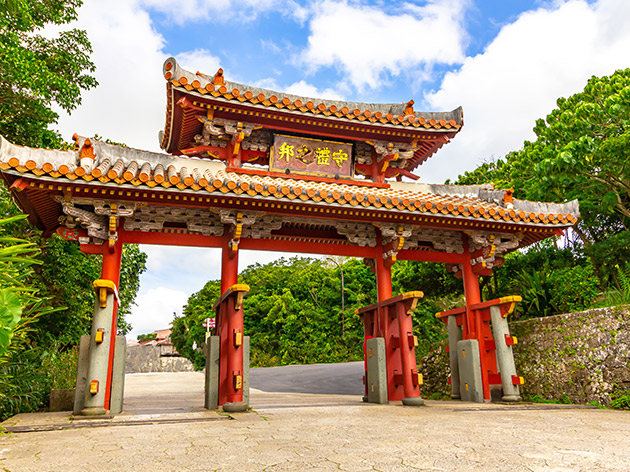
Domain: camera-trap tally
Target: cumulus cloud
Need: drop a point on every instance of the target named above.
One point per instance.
(243, 10)
(199, 59)
(155, 309)
(307, 90)
(128, 54)
(545, 54)
(129, 104)
(301, 87)
(367, 43)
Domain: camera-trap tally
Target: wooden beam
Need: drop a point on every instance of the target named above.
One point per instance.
(430, 256)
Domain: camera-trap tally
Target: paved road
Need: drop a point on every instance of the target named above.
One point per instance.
(165, 428)
(334, 379)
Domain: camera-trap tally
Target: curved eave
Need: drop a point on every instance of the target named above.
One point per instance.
(343, 202)
(182, 125)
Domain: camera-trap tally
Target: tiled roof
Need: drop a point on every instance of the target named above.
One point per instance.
(130, 167)
(393, 113)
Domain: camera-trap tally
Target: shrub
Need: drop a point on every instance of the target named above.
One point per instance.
(573, 288)
(620, 400)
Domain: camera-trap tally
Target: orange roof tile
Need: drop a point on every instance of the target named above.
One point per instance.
(398, 115)
(160, 170)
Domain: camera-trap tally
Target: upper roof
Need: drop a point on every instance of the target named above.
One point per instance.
(397, 122)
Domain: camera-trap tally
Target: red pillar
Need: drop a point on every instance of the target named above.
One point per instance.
(475, 331)
(229, 261)
(383, 285)
(230, 328)
(407, 354)
(471, 290)
(110, 270)
(383, 274)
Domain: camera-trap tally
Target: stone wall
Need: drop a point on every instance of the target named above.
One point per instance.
(582, 357)
(147, 359)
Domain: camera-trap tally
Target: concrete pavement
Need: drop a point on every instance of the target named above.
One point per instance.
(165, 428)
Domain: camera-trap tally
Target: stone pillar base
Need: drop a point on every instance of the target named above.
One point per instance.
(235, 407)
(413, 401)
(95, 411)
(511, 398)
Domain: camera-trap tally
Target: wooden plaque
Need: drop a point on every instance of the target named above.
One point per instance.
(311, 156)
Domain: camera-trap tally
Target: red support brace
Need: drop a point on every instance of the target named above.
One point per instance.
(229, 312)
(391, 320)
(478, 315)
(110, 270)
(228, 320)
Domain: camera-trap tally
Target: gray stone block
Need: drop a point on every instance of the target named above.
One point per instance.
(471, 384)
(82, 373)
(376, 370)
(118, 376)
(505, 356)
(211, 390)
(454, 336)
(246, 354)
(62, 399)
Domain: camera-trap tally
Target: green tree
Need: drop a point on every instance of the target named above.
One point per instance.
(22, 380)
(293, 310)
(496, 172)
(39, 71)
(18, 301)
(188, 334)
(142, 338)
(66, 278)
(582, 151)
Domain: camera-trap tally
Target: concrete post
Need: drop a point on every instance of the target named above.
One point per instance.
(118, 376)
(103, 335)
(100, 340)
(454, 336)
(505, 356)
(376, 378)
(471, 383)
(82, 375)
(211, 396)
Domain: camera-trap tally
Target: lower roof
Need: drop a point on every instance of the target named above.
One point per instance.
(124, 173)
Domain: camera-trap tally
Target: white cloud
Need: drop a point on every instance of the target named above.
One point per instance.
(367, 42)
(155, 309)
(243, 10)
(199, 60)
(545, 54)
(301, 87)
(307, 90)
(128, 105)
(170, 259)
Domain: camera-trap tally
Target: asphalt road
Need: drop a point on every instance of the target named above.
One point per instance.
(339, 379)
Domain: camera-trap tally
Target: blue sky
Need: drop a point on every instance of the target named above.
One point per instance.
(506, 62)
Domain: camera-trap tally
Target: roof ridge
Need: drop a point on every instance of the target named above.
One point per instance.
(173, 71)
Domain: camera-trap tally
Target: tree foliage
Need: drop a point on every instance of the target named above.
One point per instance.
(44, 67)
(293, 310)
(39, 71)
(582, 151)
